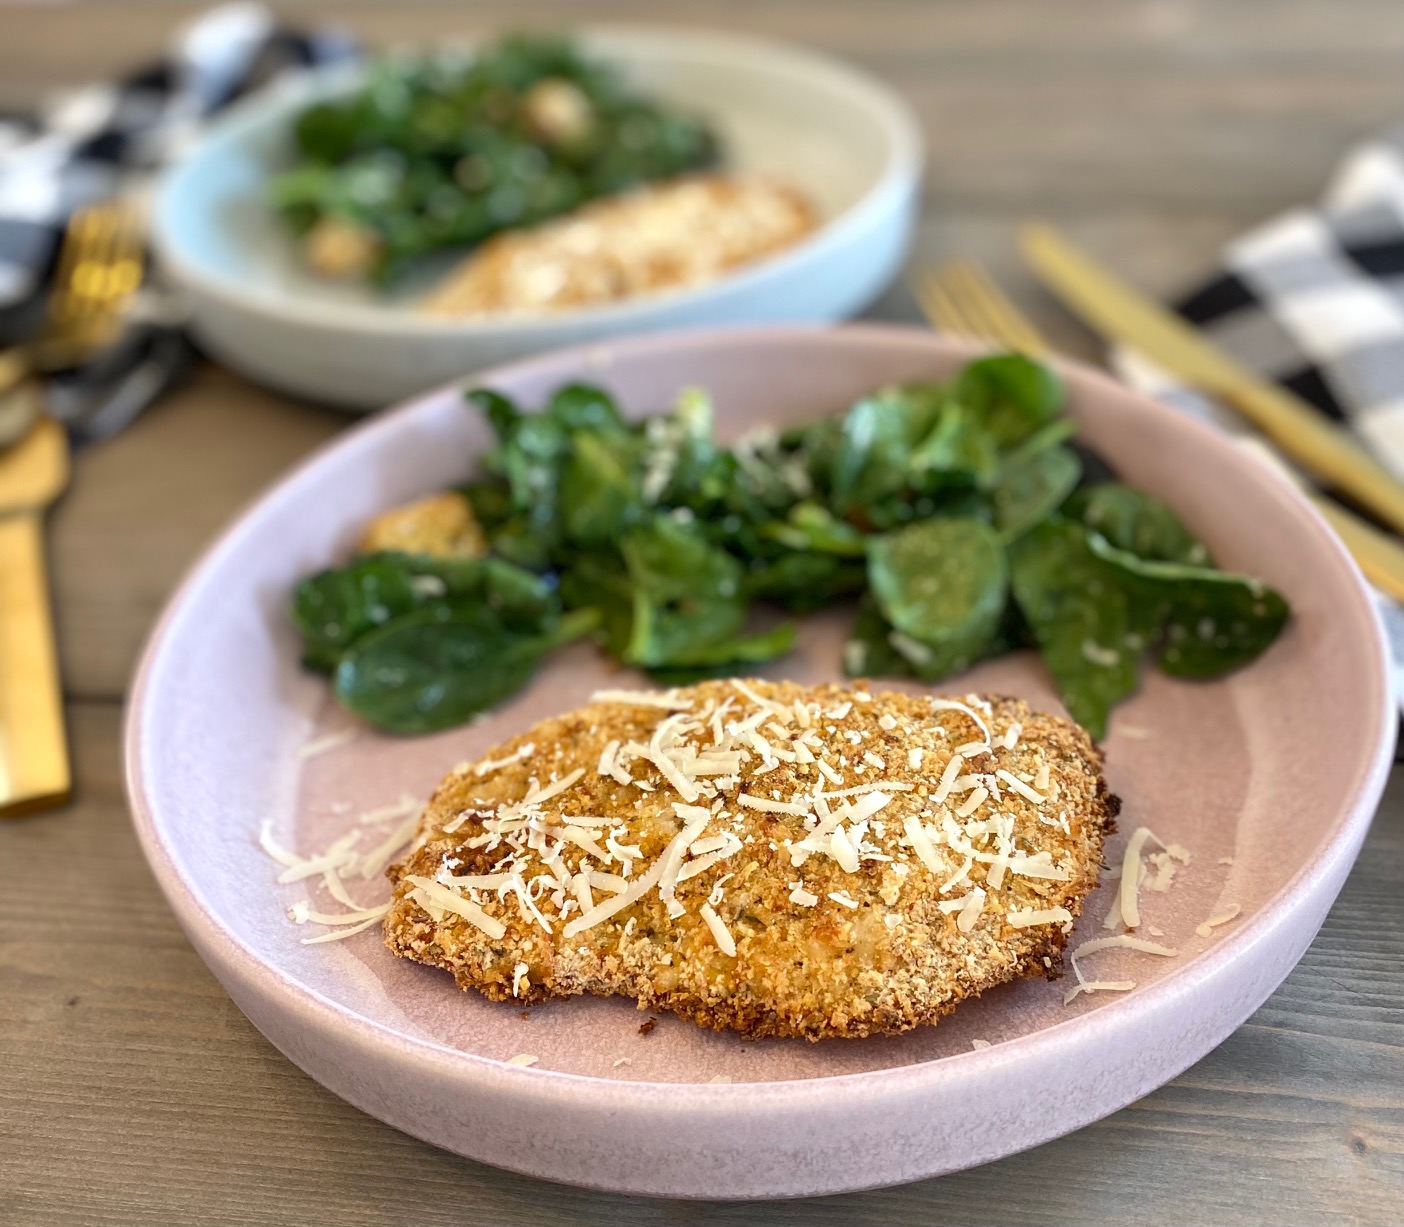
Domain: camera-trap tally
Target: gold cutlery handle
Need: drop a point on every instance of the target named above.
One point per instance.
(1319, 446)
(1120, 312)
(1379, 556)
(34, 770)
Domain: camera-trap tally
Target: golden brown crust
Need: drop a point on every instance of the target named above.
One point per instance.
(895, 961)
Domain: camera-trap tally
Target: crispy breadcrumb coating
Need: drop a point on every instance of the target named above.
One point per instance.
(905, 905)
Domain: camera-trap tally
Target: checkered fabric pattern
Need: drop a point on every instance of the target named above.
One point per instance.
(1314, 299)
(102, 140)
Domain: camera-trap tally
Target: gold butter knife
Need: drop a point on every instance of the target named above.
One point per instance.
(34, 772)
(1111, 307)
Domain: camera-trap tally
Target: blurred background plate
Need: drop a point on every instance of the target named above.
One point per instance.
(842, 138)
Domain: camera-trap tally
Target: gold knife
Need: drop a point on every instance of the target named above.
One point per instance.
(34, 770)
(1111, 307)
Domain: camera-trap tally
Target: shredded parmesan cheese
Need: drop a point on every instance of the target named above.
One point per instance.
(843, 851)
(668, 700)
(1131, 877)
(1020, 787)
(970, 913)
(450, 901)
(373, 862)
(920, 843)
(766, 805)
(725, 942)
(489, 765)
(1121, 941)
(954, 705)
(1040, 916)
(336, 935)
(973, 802)
(280, 854)
(1098, 986)
(1208, 927)
(948, 777)
(323, 745)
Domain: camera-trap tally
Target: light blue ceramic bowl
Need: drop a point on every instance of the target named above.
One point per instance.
(842, 138)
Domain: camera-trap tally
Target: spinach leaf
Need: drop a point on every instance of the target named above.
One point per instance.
(813, 527)
(1089, 630)
(502, 414)
(686, 594)
(944, 582)
(877, 436)
(491, 501)
(600, 582)
(1214, 620)
(958, 449)
(585, 407)
(1060, 430)
(599, 497)
(728, 657)
(1033, 487)
(803, 581)
(870, 650)
(1013, 395)
(430, 670)
(1134, 521)
(683, 466)
(334, 608)
(521, 599)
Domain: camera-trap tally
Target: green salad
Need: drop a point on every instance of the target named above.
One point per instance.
(446, 151)
(960, 519)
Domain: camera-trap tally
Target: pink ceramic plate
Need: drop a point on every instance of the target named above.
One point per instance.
(1269, 777)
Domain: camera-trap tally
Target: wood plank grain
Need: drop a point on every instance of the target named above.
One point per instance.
(142, 506)
(133, 1091)
(1146, 102)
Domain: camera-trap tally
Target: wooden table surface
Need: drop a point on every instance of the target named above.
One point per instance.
(132, 1090)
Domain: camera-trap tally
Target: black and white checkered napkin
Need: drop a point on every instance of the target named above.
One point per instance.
(1314, 299)
(104, 140)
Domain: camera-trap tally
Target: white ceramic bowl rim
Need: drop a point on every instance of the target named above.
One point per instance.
(719, 1101)
(903, 164)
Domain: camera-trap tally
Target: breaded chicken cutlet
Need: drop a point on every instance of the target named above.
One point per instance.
(770, 858)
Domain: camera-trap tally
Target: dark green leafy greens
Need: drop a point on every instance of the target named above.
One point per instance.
(416, 644)
(446, 150)
(959, 514)
(943, 584)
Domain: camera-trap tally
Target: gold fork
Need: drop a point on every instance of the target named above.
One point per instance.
(99, 269)
(962, 298)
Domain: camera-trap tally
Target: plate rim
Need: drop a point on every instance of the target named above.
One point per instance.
(900, 172)
(1328, 862)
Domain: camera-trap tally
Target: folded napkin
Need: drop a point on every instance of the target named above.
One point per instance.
(1314, 299)
(102, 140)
